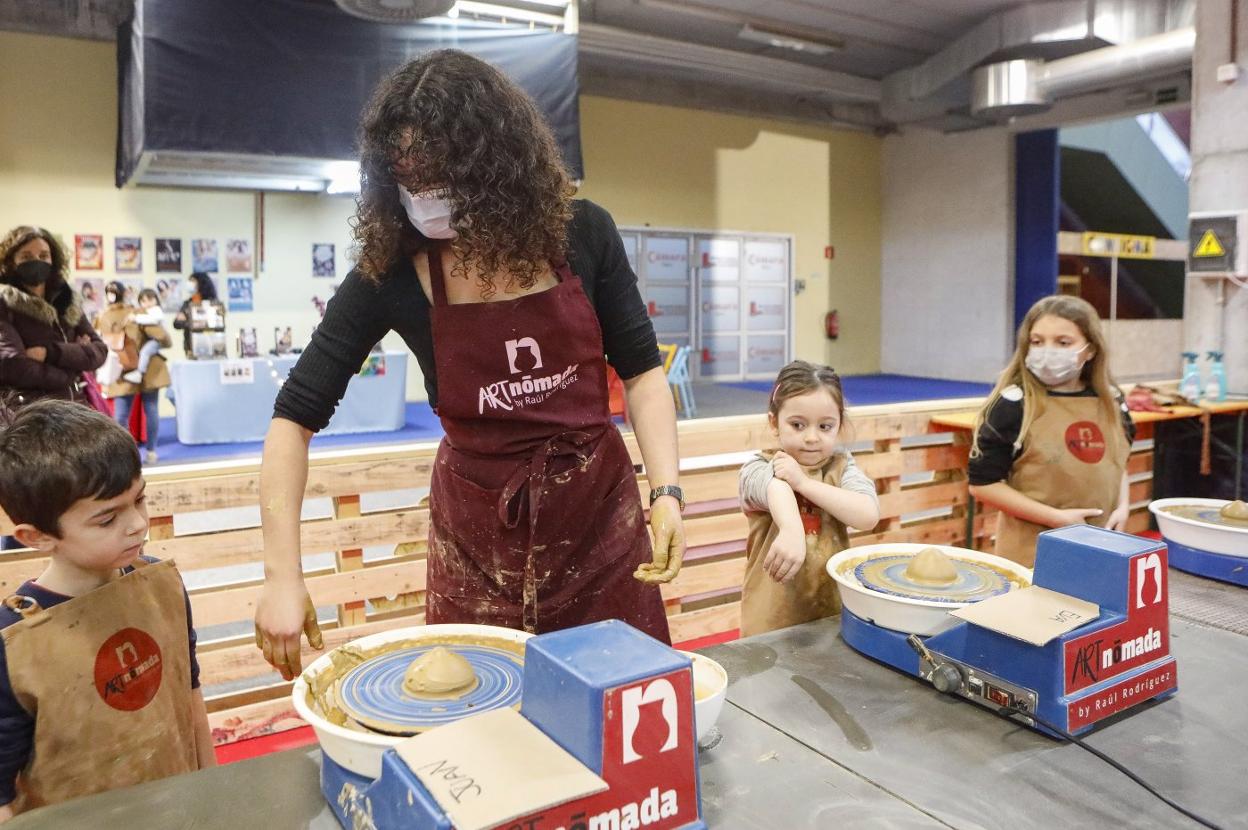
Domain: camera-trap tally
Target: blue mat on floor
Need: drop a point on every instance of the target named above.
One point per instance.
(866, 390)
(420, 425)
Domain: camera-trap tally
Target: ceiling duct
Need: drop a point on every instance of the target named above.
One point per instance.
(395, 11)
(1021, 87)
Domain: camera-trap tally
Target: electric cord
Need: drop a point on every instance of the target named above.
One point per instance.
(1008, 711)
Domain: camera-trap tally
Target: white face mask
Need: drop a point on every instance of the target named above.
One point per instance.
(429, 213)
(1053, 366)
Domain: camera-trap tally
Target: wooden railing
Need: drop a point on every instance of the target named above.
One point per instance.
(919, 470)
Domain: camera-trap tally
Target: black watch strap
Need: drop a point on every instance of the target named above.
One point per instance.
(668, 490)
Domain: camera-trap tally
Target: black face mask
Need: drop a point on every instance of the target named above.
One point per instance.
(33, 272)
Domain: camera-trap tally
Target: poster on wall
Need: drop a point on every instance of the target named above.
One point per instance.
(237, 255)
(721, 309)
(89, 252)
(666, 258)
(169, 256)
(719, 260)
(240, 293)
(91, 290)
(169, 289)
(323, 259)
(128, 254)
(721, 357)
(764, 354)
(765, 308)
(668, 307)
(204, 255)
(766, 261)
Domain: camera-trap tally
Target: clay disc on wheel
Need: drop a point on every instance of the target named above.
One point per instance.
(372, 693)
(975, 581)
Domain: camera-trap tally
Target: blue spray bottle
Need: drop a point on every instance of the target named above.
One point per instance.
(1215, 387)
(1191, 387)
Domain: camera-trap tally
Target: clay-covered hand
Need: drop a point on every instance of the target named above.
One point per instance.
(1118, 519)
(668, 531)
(786, 555)
(283, 614)
(785, 468)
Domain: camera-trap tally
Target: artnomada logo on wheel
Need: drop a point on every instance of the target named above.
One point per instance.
(532, 387)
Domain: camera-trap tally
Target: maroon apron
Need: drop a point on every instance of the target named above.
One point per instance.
(535, 518)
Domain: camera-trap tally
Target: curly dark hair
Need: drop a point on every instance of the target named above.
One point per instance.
(448, 120)
(21, 235)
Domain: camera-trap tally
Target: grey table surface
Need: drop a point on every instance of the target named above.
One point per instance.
(813, 735)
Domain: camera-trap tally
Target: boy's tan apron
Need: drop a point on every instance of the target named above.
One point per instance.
(1071, 458)
(107, 678)
(766, 604)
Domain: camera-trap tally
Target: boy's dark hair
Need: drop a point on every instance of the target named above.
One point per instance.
(149, 294)
(54, 453)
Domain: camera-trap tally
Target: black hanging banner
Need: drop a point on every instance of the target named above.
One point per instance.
(289, 78)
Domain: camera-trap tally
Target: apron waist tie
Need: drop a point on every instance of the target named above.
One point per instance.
(526, 483)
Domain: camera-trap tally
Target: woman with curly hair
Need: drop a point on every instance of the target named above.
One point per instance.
(46, 342)
(513, 297)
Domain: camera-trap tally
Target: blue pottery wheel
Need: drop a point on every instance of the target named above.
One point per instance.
(372, 693)
(974, 582)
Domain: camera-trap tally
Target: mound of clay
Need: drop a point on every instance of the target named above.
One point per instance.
(1236, 510)
(931, 566)
(439, 672)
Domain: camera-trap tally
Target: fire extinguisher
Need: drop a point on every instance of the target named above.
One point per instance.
(832, 324)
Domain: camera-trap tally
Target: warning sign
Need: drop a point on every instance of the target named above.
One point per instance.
(1212, 241)
(1209, 246)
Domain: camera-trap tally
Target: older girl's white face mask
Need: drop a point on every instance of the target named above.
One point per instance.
(1055, 366)
(429, 213)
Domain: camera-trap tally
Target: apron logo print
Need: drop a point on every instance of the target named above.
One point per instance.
(513, 351)
(509, 394)
(1085, 441)
(128, 670)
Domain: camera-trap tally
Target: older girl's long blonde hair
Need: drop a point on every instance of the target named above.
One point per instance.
(1095, 372)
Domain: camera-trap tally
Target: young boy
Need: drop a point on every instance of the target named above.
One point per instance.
(99, 685)
(150, 315)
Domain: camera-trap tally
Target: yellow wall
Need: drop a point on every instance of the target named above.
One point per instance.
(646, 164)
(666, 166)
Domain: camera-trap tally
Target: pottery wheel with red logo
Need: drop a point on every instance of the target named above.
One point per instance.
(373, 693)
(971, 582)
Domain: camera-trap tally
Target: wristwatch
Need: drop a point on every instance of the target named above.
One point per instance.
(668, 490)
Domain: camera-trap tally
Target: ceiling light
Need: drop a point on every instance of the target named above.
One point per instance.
(499, 11)
(784, 40)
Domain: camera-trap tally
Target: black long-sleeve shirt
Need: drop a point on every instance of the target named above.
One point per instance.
(362, 312)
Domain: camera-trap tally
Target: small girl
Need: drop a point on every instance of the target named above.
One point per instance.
(1052, 441)
(150, 314)
(798, 500)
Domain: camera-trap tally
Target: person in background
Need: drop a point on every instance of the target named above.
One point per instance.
(118, 321)
(149, 314)
(46, 342)
(203, 292)
(799, 500)
(71, 482)
(1052, 441)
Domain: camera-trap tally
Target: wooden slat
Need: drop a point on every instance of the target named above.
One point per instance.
(234, 547)
(253, 721)
(169, 497)
(691, 625)
(914, 499)
(1140, 462)
(701, 579)
(233, 604)
(710, 530)
(350, 559)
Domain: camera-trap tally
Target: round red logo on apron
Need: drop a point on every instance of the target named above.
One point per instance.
(127, 670)
(1085, 441)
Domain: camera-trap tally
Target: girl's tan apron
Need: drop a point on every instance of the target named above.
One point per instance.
(1071, 458)
(766, 604)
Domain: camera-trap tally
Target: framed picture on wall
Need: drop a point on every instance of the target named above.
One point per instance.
(323, 259)
(237, 255)
(169, 289)
(128, 253)
(169, 256)
(91, 290)
(240, 297)
(204, 255)
(89, 252)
